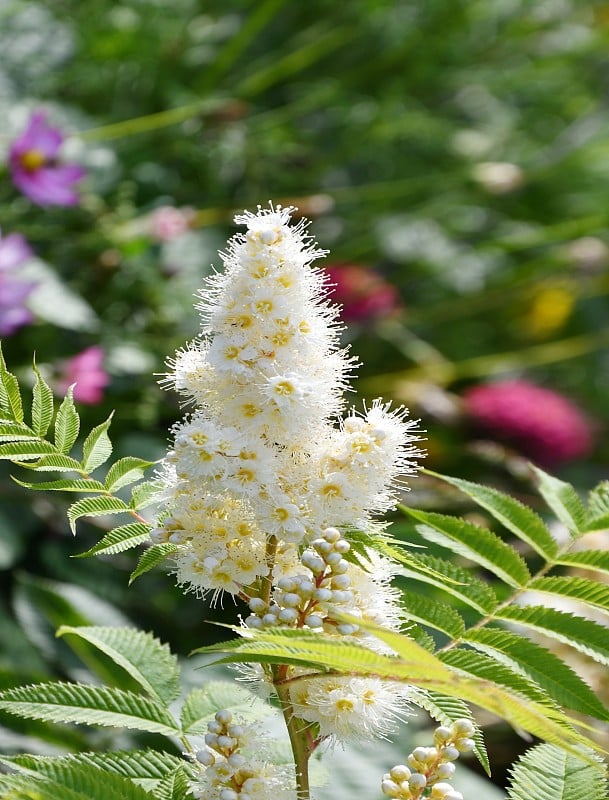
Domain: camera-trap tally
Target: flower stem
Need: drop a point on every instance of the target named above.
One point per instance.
(297, 731)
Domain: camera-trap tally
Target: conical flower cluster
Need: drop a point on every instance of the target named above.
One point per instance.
(265, 454)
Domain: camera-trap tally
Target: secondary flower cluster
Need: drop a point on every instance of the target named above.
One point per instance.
(266, 477)
(429, 769)
(234, 766)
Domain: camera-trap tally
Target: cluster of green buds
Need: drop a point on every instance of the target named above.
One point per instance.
(307, 600)
(428, 769)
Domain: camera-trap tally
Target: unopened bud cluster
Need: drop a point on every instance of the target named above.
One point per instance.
(229, 772)
(428, 769)
(307, 600)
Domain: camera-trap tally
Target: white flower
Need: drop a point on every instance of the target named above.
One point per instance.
(350, 709)
(264, 446)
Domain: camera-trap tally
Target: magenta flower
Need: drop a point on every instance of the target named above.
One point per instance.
(87, 372)
(541, 424)
(363, 294)
(14, 251)
(35, 168)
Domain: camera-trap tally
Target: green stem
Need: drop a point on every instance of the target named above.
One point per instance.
(298, 731)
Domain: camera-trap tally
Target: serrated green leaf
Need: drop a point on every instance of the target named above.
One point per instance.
(455, 581)
(144, 658)
(15, 432)
(598, 500)
(145, 494)
(25, 450)
(562, 498)
(597, 560)
(125, 471)
(201, 704)
(123, 538)
(152, 557)
(489, 669)
(67, 424)
(64, 485)
(55, 462)
(546, 772)
(97, 447)
(512, 514)
(428, 611)
(91, 705)
(10, 394)
(42, 404)
(542, 666)
(83, 781)
(446, 710)
(174, 787)
(414, 665)
(582, 589)
(146, 767)
(95, 507)
(478, 544)
(582, 634)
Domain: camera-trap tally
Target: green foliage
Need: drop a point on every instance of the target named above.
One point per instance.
(546, 772)
(27, 446)
(482, 663)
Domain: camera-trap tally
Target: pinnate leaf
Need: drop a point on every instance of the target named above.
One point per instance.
(95, 507)
(120, 539)
(478, 544)
(67, 424)
(522, 521)
(482, 666)
(64, 485)
(582, 634)
(42, 404)
(582, 589)
(55, 462)
(25, 450)
(597, 560)
(125, 471)
(428, 611)
(542, 666)
(97, 447)
(91, 705)
(152, 557)
(10, 394)
(147, 767)
(460, 583)
(562, 498)
(546, 772)
(15, 432)
(143, 657)
(54, 779)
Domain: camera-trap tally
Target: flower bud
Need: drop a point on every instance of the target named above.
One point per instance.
(400, 773)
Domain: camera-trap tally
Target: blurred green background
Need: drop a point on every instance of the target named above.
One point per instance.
(453, 154)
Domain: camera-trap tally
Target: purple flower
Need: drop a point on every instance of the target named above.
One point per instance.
(14, 251)
(540, 423)
(87, 372)
(35, 169)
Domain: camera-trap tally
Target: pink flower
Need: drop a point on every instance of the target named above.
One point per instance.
(35, 168)
(87, 372)
(14, 251)
(540, 423)
(364, 294)
(167, 222)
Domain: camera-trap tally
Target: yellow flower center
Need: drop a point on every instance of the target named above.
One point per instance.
(33, 160)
